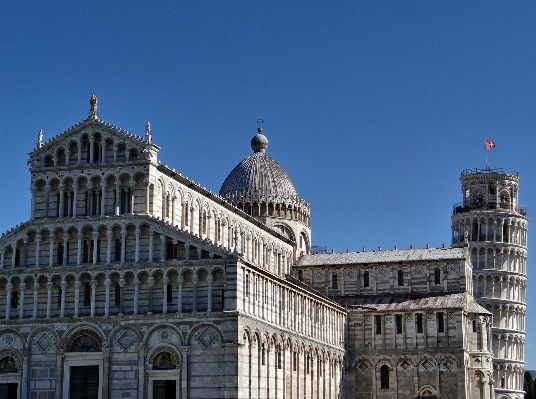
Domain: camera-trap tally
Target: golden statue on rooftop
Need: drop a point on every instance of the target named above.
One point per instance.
(93, 106)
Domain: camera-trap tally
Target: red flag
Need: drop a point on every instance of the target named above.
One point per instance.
(490, 145)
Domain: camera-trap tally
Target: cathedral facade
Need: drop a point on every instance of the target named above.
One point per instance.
(131, 281)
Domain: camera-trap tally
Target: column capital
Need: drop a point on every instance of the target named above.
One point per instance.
(109, 234)
(80, 236)
(77, 284)
(107, 282)
(49, 285)
(209, 279)
(9, 287)
(95, 235)
(22, 286)
(165, 280)
(185, 350)
(36, 286)
(142, 350)
(93, 283)
(63, 284)
(61, 187)
(122, 282)
(150, 281)
(136, 282)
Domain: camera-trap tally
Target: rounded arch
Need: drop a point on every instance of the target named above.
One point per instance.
(15, 332)
(76, 331)
(156, 327)
(384, 361)
(122, 327)
(162, 348)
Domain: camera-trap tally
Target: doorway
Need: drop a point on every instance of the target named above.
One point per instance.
(8, 391)
(164, 389)
(84, 382)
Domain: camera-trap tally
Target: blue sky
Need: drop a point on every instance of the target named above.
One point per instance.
(373, 108)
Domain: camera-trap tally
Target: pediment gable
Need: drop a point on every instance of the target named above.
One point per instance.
(63, 149)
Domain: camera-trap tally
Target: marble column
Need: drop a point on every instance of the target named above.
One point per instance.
(93, 296)
(117, 197)
(37, 247)
(209, 299)
(62, 188)
(79, 250)
(49, 298)
(142, 351)
(22, 294)
(51, 252)
(162, 247)
(9, 287)
(136, 285)
(63, 295)
(122, 283)
(36, 293)
(77, 285)
(95, 247)
(165, 282)
(75, 199)
(103, 198)
(123, 246)
(107, 283)
(150, 281)
(151, 246)
(79, 148)
(65, 253)
(137, 253)
(179, 305)
(194, 310)
(109, 236)
(91, 150)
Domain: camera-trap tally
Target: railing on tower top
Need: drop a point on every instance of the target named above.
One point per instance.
(460, 208)
(499, 171)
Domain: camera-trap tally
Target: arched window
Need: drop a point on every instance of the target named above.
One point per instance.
(384, 377)
(334, 282)
(169, 293)
(59, 254)
(14, 300)
(366, 279)
(400, 278)
(117, 250)
(437, 275)
(60, 294)
(87, 294)
(117, 298)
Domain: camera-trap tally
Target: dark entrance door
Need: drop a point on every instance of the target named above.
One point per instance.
(8, 391)
(164, 389)
(84, 382)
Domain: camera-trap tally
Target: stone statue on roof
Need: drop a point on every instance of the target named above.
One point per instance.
(93, 106)
(40, 139)
(148, 132)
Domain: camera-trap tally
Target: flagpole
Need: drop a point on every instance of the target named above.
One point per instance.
(486, 152)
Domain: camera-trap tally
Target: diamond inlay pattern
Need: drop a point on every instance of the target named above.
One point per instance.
(126, 340)
(44, 342)
(206, 337)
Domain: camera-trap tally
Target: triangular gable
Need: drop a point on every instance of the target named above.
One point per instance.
(100, 131)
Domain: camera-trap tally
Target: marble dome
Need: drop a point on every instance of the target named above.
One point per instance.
(259, 174)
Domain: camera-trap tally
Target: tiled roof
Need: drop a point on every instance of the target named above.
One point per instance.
(400, 255)
(410, 302)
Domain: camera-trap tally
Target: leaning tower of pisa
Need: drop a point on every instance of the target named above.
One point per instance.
(496, 229)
